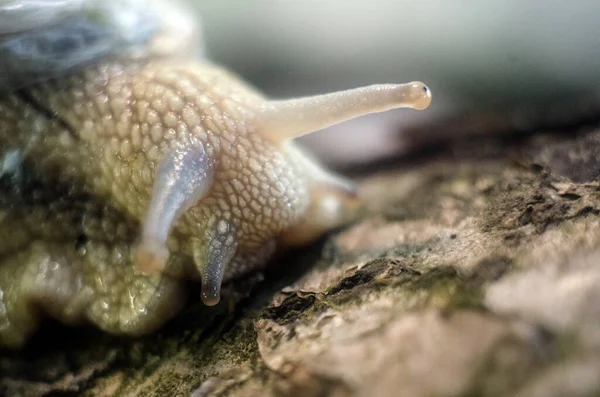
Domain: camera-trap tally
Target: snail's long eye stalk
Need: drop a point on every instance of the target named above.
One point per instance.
(292, 118)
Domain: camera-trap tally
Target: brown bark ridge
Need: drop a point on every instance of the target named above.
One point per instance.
(475, 272)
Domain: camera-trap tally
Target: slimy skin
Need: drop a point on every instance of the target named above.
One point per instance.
(120, 181)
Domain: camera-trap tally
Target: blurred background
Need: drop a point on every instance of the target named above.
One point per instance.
(476, 57)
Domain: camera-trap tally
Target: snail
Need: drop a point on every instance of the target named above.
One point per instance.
(129, 163)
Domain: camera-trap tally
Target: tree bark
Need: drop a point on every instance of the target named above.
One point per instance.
(475, 272)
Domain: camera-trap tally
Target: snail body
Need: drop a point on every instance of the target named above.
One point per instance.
(134, 170)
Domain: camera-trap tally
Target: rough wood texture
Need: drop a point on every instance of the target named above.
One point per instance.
(475, 273)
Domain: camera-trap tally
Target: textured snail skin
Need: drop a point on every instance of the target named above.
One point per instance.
(119, 182)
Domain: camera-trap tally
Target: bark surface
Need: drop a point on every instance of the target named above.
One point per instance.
(475, 272)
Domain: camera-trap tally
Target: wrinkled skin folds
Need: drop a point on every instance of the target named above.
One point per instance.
(122, 180)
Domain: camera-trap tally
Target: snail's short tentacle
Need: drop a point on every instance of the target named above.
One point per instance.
(330, 208)
(183, 177)
(296, 117)
(212, 257)
(318, 176)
